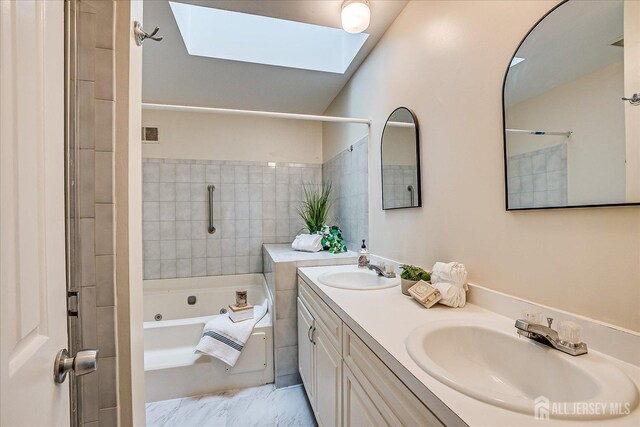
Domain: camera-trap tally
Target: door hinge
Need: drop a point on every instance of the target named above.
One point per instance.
(73, 303)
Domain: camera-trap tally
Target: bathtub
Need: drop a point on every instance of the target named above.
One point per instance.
(175, 312)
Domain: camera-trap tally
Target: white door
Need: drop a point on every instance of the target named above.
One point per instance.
(32, 242)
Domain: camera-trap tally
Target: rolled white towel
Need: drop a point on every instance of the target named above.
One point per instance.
(451, 280)
(451, 294)
(451, 272)
(307, 243)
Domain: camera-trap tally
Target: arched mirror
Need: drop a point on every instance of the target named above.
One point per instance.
(570, 120)
(401, 161)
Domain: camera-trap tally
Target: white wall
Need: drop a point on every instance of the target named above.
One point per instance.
(590, 107)
(446, 61)
(205, 136)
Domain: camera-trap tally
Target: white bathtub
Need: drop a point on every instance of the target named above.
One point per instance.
(171, 367)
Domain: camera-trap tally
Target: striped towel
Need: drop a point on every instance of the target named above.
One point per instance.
(224, 339)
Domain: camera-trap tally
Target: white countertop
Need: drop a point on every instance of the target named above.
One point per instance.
(282, 252)
(384, 318)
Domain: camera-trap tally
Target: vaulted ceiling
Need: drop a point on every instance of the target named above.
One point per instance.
(172, 76)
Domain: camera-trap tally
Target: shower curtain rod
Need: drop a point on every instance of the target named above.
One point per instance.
(293, 116)
(540, 132)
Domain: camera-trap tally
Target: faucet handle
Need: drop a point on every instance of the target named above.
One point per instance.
(549, 321)
(532, 316)
(569, 332)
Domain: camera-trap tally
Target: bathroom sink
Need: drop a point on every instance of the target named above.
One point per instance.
(484, 362)
(358, 280)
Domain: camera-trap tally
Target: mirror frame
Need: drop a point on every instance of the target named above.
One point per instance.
(504, 136)
(418, 178)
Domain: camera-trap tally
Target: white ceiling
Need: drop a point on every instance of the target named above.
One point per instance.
(172, 76)
(573, 41)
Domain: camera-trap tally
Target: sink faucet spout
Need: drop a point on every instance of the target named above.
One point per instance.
(381, 271)
(548, 336)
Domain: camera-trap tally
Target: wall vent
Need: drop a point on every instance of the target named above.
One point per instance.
(150, 135)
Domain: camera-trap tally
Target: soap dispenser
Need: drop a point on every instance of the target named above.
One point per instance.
(363, 258)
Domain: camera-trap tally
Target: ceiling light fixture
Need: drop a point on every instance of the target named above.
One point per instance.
(355, 15)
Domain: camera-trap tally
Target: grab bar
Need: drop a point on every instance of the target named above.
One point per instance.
(211, 189)
(410, 190)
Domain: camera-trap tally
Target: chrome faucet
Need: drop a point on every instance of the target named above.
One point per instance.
(381, 271)
(548, 336)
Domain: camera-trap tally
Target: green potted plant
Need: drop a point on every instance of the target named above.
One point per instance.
(314, 209)
(332, 239)
(411, 275)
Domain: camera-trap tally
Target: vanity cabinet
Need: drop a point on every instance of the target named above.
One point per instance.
(305, 349)
(394, 403)
(320, 358)
(358, 408)
(347, 384)
(328, 370)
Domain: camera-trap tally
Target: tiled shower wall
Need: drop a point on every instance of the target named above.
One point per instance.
(254, 203)
(348, 174)
(397, 179)
(94, 264)
(538, 178)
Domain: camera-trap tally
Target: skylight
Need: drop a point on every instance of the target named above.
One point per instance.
(515, 61)
(236, 36)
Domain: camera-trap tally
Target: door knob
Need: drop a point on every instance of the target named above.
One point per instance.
(85, 362)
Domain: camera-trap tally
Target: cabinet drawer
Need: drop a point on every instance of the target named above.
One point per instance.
(324, 316)
(397, 404)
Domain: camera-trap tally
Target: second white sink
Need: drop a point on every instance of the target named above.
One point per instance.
(357, 280)
(481, 361)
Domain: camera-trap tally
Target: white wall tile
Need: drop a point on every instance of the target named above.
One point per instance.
(167, 268)
(167, 172)
(197, 173)
(198, 248)
(198, 267)
(175, 213)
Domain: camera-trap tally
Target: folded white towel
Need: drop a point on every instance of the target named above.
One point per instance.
(224, 339)
(451, 280)
(307, 243)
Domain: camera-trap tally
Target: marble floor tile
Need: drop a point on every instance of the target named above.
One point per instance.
(252, 412)
(158, 413)
(255, 392)
(293, 408)
(254, 406)
(208, 410)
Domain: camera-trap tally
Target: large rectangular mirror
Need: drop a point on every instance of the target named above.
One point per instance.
(401, 161)
(571, 140)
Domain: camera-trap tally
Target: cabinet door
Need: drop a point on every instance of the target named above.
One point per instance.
(392, 399)
(357, 407)
(328, 366)
(305, 350)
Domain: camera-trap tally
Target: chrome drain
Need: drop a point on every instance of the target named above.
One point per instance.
(158, 317)
(223, 311)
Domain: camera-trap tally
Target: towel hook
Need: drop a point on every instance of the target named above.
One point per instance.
(634, 100)
(141, 34)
